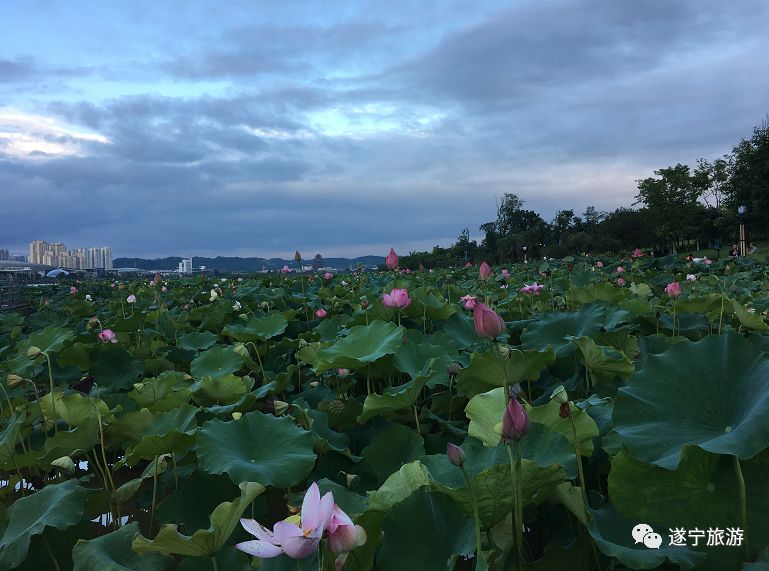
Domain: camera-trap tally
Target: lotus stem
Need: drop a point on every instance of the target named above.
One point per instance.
(214, 563)
(416, 418)
(154, 494)
(50, 552)
(580, 472)
(515, 472)
(259, 359)
(53, 400)
(475, 515)
(743, 505)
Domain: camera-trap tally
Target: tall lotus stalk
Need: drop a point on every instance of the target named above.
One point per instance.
(515, 425)
(743, 506)
(457, 457)
(560, 396)
(298, 258)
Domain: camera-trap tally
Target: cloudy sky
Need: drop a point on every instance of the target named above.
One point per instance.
(257, 128)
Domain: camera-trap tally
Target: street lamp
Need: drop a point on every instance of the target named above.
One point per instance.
(741, 210)
(525, 261)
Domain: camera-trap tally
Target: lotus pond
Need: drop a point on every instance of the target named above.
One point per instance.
(606, 420)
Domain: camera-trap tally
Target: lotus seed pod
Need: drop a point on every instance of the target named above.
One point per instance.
(280, 407)
(13, 380)
(236, 415)
(65, 463)
(560, 395)
(33, 352)
(241, 350)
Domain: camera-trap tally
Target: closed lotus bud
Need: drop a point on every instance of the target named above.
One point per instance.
(452, 369)
(456, 454)
(241, 350)
(487, 324)
(564, 411)
(297, 256)
(13, 380)
(33, 352)
(236, 415)
(485, 271)
(392, 260)
(280, 407)
(515, 422)
(65, 463)
(560, 395)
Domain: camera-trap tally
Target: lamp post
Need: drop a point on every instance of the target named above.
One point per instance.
(525, 261)
(741, 210)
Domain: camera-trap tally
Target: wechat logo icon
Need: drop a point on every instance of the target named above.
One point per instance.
(643, 533)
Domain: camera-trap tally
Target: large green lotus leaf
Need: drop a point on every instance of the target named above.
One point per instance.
(69, 442)
(256, 447)
(165, 392)
(112, 552)
(420, 354)
(204, 542)
(391, 448)
(56, 505)
(701, 493)
(425, 302)
(712, 393)
(761, 563)
(258, 328)
(223, 389)
(486, 410)
(364, 344)
(325, 437)
(425, 532)
(216, 362)
(399, 486)
(461, 330)
(494, 369)
(554, 328)
(115, 368)
(171, 432)
(9, 437)
(77, 355)
(73, 408)
(353, 504)
(128, 428)
(209, 491)
(596, 292)
(612, 533)
(603, 363)
(749, 320)
(49, 340)
(197, 341)
(393, 399)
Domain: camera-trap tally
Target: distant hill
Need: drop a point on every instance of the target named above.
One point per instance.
(228, 264)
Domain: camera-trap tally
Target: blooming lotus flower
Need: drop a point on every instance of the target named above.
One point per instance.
(328, 275)
(468, 301)
(673, 289)
(505, 274)
(397, 298)
(342, 373)
(131, 298)
(73, 290)
(164, 289)
(236, 306)
(343, 534)
(285, 269)
(214, 295)
(620, 282)
(484, 271)
(620, 269)
(515, 422)
(706, 261)
(637, 253)
(321, 313)
(487, 323)
(691, 278)
(533, 289)
(88, 297)
(599, 264)
(456, 454)
(286, 537)
(107, 336)
(468, 265)
(392, 260)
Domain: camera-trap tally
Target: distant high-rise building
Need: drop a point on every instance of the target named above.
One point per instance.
(4, 255)
(57, 254)
(185, 266)
(317, 262)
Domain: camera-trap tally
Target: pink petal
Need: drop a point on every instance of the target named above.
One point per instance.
(257, 530)
(259, 548)
(338, 517)
(283, 531)
(300, 547)
(311, 507)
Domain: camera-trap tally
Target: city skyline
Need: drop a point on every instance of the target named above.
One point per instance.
(57, 254)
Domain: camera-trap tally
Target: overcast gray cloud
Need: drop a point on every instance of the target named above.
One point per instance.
(350, 128)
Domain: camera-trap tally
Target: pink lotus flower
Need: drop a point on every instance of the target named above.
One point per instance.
(397, 298)
(285, 269)
(321, 313)
(295, 541)
(505, 274)
(328, 275)
(673, 289)
(533, 289)
(73, 290)
(620, 282)
(620, 269)
(637, 253)
(484, 271)
(343, 535)
(515, 422)
(468, 265)
(342, 373)
(468, 301)
(691, 278)
(107, 336)
(392, 260)
(707, 262)
(131, 298)
(487, 323)
(599, 264)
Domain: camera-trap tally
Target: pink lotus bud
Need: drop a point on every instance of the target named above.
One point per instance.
(392, 260)
(599, 264)
(73, 290)
(533, 289)
(407, 270)
(343, 535)
(673, 289)
(468, 265)
(342, 373)
(107, 336)
(620, 269)
(487, 324)
(456, 454)
(321, 313)
(515, 422)
(157, 278)
(468, 301)
(131, 298)
(285, 269)
(328, 275)
(484, 271)
(637, 253)
(505, 274)
(620, 282)
(707, 262)
(397, 298)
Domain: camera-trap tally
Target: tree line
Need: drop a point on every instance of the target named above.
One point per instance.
(679, 208)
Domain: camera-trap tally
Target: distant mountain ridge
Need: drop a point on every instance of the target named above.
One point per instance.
(235, 264)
